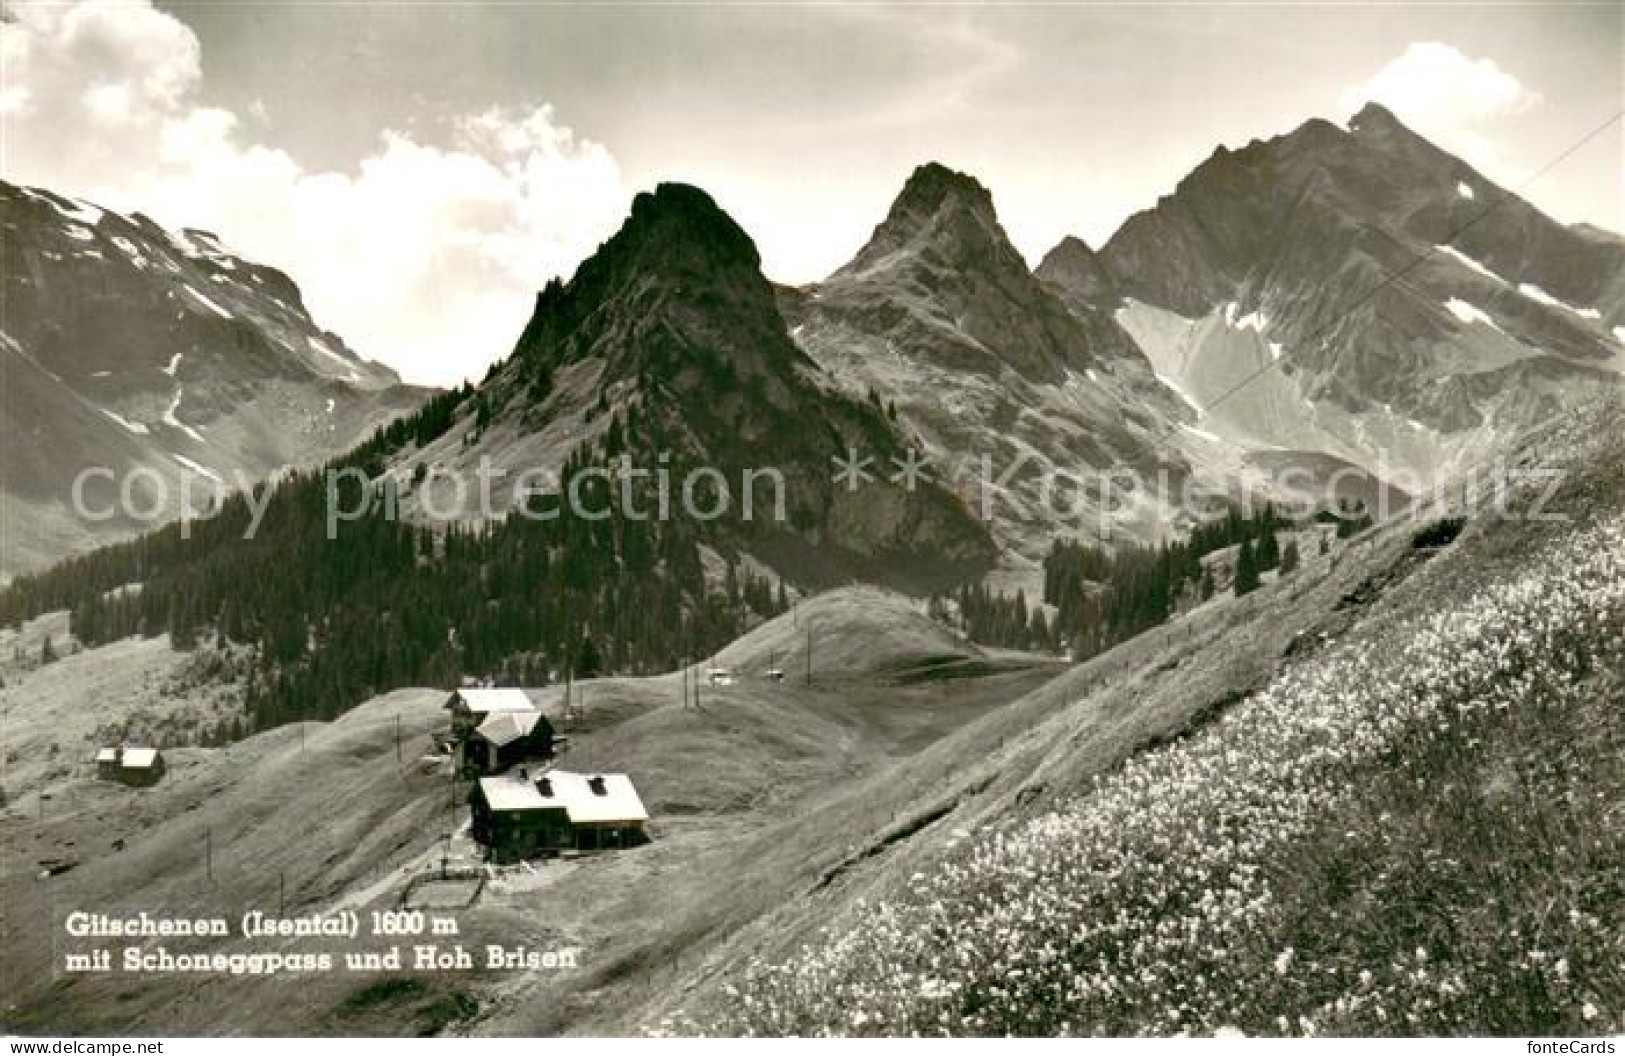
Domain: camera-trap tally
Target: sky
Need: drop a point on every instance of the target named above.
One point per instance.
(422, 169)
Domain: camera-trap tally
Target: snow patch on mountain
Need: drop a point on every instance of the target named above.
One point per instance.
(180, 241)
(1179, 390)
(321, 347)
(174, 363)
(78, 211)
(1254, 320)
(137, 428)
(1535, 293)
(171, 420)
(1469, 313)
(210, 305)
(129, 249)
(198, 467)
(1462, 258)
(1465, 191)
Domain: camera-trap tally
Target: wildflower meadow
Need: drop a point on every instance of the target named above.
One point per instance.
(1416, 831)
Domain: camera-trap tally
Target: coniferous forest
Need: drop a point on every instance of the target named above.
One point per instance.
(1105, 596)
(387, 603)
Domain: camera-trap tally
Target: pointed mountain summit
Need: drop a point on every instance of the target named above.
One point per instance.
(1078, 276)
(1356, 291)
(939, 316)
(941, 211)
(691, 283)
(933, 183)
(951, 286)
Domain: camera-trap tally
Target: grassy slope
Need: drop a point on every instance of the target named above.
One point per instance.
(330, 810)
(778, 808)
(55, 716)
(1468, 861)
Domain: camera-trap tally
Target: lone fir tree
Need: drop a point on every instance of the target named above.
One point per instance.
(1246, 570)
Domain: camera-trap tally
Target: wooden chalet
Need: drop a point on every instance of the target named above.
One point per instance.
(130, 766)
(506, 739)
(526, 813)
(471, 706)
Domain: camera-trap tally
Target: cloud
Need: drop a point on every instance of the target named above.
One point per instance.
(1447, 96)
(426, 256)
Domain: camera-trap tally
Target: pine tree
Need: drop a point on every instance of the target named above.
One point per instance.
(587, 659)
(1290, 558)
(1269, 549)
(1246, 570)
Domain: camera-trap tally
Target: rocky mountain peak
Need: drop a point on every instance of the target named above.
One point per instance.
(673, 231)
(680, 281)
(943, 214)
(1375, 118)
(1078, 274)
(932, 185)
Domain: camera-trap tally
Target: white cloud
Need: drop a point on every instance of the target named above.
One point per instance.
(425, 257)
(1448, 97)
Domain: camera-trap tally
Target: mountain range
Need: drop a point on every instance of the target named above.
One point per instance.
(163, 358)
(1343, 304)
(1356, 292)
(1345, 797)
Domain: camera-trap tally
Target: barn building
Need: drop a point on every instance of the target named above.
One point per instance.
(506, 739)
(130, 766)
(527, 813)
(470, 707)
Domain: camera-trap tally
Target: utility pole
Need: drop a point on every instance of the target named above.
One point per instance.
(282, 893)
(809, 653)
(397, 737)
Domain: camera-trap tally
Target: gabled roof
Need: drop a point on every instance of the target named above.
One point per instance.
(512, 792)
(132, 758)
(508, 726)
(491, 701)
(619, 801)
(140, 758)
